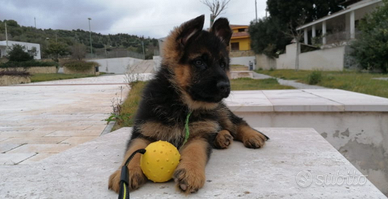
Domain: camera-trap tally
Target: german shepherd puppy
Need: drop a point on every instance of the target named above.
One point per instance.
(193, 79)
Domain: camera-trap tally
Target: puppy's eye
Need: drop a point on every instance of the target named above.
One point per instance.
(222, 65)
(200, 64)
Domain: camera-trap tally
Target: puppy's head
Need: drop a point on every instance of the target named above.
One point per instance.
(199, 61)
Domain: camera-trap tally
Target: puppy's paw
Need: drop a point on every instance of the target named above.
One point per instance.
(189, 179)
(114, 181)
(223, 139)
(136, 179)
(254, 139)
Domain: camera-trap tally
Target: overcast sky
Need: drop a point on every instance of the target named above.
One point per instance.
(149, 18)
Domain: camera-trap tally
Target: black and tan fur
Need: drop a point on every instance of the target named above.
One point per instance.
(193, 78)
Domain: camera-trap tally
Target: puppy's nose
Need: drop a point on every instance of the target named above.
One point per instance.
(224, 88)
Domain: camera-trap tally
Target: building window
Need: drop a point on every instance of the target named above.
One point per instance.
(235, 46)
(241, 30)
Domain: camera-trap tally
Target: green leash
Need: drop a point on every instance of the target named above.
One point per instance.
(187, 129)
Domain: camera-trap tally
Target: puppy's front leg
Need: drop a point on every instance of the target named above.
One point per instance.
(136, 176)
(190, 173)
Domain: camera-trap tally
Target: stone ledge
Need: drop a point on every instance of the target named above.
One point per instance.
(274, 171)
(305, 100)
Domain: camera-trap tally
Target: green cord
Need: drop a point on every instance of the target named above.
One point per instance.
(187, 129)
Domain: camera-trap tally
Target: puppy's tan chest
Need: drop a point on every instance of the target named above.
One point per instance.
(174, 133)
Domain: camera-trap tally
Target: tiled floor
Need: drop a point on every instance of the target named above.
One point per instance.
(42, 119)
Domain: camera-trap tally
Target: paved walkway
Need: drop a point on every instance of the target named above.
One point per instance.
(144, 66)
(41, 119)
(292, 83)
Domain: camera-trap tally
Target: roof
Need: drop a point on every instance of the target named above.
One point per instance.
(349, 9)
(349, 2)
(238, 26)
(4, 43)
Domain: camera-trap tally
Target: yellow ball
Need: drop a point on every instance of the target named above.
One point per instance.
(159, 161)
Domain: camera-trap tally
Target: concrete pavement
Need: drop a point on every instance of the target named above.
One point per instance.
(291, 165)
(42, 119)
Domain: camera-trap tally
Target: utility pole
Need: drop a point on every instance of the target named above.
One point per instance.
(90, 35)
(142, 43)
(256, 9)
(35, 21)
(6, 36)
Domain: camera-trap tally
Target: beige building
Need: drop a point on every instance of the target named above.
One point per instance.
(32, 48)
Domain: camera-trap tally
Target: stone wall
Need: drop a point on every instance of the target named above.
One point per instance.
(6, 80)
(34, 69)
(241, 53)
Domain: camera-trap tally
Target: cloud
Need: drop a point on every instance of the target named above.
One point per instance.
(149, 18)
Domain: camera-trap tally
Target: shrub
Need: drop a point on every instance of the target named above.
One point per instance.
(371, 48)
(314, 77)
(18, 54)
(80, 66)
(13, 64)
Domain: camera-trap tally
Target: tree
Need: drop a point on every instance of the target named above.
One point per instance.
(371, 48)
(216, 7)
(296, 10)
(271, 35)
(12, 23)
(55, 50)
(267, 36)
(18, 53)
(78, 51)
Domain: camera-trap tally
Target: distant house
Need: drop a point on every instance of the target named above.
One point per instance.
(240, 40)
(333, 34)
(32, 48)
(339, 26)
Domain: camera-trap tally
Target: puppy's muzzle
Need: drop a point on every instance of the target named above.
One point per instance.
(224, 88)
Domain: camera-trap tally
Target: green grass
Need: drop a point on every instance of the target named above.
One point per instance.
(129, 106)
(55, 76)
(346, 80)
(256, 84)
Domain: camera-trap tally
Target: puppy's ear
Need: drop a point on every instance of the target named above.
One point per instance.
(190, 29)
(222, 30)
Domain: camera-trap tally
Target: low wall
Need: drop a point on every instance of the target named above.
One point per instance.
(115, 65)
(355, 124)
(264, 62)
(6, 80)
(34, 69)
(241, 53)
(362, 137)
(242, 60)
(330, 59)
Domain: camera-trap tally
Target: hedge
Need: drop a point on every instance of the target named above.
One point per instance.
(80, 65)
(26, 64)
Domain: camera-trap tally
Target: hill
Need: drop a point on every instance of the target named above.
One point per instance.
(102, 44)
